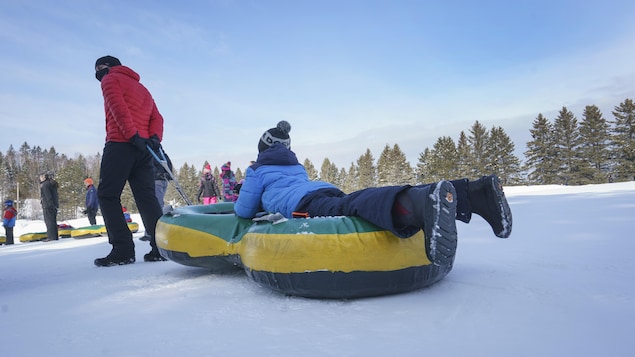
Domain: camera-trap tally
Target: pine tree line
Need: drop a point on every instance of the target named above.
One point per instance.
(565, 151)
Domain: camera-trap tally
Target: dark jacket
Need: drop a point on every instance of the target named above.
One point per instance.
(207, 187)
(91, 198)
(48, 194)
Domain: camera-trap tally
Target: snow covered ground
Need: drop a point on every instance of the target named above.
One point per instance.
(561, 285)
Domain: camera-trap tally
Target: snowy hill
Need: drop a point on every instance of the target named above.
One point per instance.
(561, 285)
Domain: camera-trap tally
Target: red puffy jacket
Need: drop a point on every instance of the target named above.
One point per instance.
(129, 107)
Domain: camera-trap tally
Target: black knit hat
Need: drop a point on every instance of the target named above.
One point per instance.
(279, 134)
(110, 61)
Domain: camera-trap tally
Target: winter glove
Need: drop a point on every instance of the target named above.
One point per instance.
(85, 211)
(155, 143)
(139, 142)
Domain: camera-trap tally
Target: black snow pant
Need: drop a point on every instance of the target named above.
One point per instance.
(374, 205)
(123, 162)
(8, 232)
(50, 220)
(92, 214)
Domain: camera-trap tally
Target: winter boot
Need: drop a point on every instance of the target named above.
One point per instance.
(154, 256)
(432, 209)
(115, 259)
(487, 199)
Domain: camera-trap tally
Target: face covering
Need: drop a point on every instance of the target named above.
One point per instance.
(101, 73)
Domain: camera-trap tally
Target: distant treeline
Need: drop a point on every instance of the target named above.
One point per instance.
(564, 151)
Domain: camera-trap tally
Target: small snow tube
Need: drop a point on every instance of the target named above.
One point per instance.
(325, 257)
(133, 226)
(89, 231)
(32, 237)
(98, 230)
(3, 239)
(64, 230)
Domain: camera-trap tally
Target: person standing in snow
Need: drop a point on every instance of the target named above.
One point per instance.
(207, 187)
(229, 182)
(133, 123)
(92, 204)
(50, 204)
(278, 183)
(161, 178)
(8, 221)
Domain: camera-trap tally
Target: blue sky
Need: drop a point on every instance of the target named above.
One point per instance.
(348, 75)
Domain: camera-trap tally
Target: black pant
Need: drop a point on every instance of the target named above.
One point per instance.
(92, 213)
(374, 205)
(123, 162)
(8, 232)
(50, 219)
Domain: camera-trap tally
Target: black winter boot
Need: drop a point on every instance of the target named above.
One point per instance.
(487, 199)
(114, 258)
(154, 256)
(432, 209)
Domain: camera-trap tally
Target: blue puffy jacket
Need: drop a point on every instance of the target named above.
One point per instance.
(275, 183)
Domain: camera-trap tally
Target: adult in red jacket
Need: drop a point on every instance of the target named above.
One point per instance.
(133, 122)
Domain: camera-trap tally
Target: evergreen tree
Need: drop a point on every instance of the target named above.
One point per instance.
(465, 158)
(189, 178)
(541, 151)
(478, 142)
(239, 174)
(366, 170)
(127, 199)
(424, 167)
(502, 162)
(10, 182)
(393, 168)
(567, 144)
(350, 180)
(402, 171)
(328, 171)
(310, 170)
(26, 168)
(383, 168)
(444, 161)
(594, 146)
(342, 178)
(4, 186)
(624, 140)
(71, 191)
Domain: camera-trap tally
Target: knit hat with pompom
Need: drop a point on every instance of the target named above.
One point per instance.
(279, 134)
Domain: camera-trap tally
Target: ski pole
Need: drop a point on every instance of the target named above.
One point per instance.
(164, 162)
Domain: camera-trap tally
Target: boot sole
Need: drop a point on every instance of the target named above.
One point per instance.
(441, 226)
(114, 263)
(503, 206)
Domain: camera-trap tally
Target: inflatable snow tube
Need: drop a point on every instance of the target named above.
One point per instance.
(133, 226)
(32, 237)
(64, 230)
(89, 231)
(325, 257)
(98, 230)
